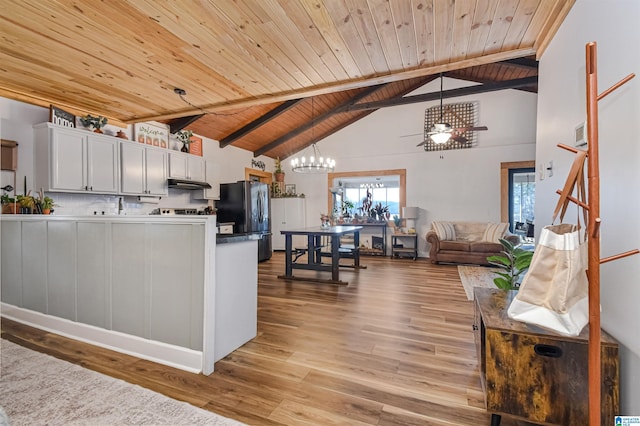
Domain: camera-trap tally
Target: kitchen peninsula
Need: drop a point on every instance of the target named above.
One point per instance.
(164, 288)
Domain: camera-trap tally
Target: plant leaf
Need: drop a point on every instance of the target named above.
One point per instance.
(501, 283)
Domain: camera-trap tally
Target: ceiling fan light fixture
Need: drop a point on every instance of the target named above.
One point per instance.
(440, 138)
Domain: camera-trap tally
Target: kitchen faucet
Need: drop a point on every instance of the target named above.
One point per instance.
(120, 208)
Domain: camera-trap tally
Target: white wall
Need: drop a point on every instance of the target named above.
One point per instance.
(16, 121)
(561, 106)
(446, 185)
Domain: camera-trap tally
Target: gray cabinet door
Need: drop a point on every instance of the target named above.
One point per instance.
(176, 311)
(11, 260)
(129, 292)
(93, 275)
(34, 266)
(61, 269)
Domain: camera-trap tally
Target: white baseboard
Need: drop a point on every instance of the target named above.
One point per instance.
(162, 353)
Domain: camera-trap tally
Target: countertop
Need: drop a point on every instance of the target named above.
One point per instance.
(235, 238)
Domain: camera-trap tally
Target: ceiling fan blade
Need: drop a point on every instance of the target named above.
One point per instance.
(470, 129)
(460, 139)
(423, 142)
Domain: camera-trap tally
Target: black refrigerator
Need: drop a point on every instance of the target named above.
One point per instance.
(246, 204)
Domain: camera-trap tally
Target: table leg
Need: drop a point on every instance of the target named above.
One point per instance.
(495, 419)
(335, 258)
(288, 270)
(356, 249)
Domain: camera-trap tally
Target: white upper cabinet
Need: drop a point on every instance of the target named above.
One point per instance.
(144, 170)
(73, 160)
(212, 177)
(186, 166)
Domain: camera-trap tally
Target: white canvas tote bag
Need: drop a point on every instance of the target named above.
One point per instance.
(554, 292)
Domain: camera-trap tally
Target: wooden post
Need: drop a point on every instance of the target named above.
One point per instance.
(593, 234)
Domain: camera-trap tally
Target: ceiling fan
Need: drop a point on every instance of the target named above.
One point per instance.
(441, 132)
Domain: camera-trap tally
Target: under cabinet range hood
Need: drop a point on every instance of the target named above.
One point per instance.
(188, 184)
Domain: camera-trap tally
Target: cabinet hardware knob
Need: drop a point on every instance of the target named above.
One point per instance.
(475, 327)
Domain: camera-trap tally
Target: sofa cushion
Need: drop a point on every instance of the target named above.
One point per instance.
(485, 247)
(454, 245)
(470, 231)
(494, 232)
(444, 230)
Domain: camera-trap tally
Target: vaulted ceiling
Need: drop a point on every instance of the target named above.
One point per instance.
(270, 76)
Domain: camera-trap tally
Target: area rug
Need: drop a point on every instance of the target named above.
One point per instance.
(476, 276)
(38, 389)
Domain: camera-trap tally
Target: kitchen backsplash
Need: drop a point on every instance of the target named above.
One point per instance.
(88, 204)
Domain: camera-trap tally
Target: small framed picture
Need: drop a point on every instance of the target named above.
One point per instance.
(290, 189)
(156, 134)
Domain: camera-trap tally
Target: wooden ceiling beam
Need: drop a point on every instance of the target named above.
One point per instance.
(525, 63)
(301, 129)
(260, 121)
(180, 123)
(453, 93)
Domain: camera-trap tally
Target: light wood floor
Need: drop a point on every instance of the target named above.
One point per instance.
(394, 347)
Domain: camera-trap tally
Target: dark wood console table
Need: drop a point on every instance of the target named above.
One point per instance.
(537, 375)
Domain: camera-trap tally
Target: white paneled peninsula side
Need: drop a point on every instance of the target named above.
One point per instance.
(163, 288)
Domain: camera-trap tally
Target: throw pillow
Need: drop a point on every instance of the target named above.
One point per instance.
(494, 232)
(444, 230)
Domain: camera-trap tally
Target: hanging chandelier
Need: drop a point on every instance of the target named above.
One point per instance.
(316, 163)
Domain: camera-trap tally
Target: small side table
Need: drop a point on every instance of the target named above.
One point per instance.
(398, 248)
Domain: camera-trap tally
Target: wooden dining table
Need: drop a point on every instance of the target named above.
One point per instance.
(316, 241)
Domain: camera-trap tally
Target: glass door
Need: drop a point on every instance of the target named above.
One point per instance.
(522, 188)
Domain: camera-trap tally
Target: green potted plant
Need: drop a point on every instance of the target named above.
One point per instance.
(26, 202)
(397, 221)
(46, 204)
(184, 137)
(278, 173)
(95, 123)
(379, 211)
(9, 205)
(347, 207)
(514, 261)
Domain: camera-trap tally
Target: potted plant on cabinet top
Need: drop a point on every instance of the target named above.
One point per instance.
(95, 123)
(184, 137)
(278, 173)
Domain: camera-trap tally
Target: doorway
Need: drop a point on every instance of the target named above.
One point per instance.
(518, 197)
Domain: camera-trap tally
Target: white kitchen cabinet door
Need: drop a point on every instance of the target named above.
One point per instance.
(102, 164)
(186, 166)
(73, 160)
(287, 214)
(177, 165)
(156, 171)
(144, 170)
(212, 177)
(67, 160)
(196, 168)
(132, 157)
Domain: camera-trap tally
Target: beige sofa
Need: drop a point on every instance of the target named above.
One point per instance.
(467, 242)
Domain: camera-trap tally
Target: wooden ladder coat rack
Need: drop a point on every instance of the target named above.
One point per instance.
(592, 207)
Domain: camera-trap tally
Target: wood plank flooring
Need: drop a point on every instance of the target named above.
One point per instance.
(394, 347)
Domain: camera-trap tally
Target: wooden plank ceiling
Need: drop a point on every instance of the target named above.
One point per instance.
(270, 76)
